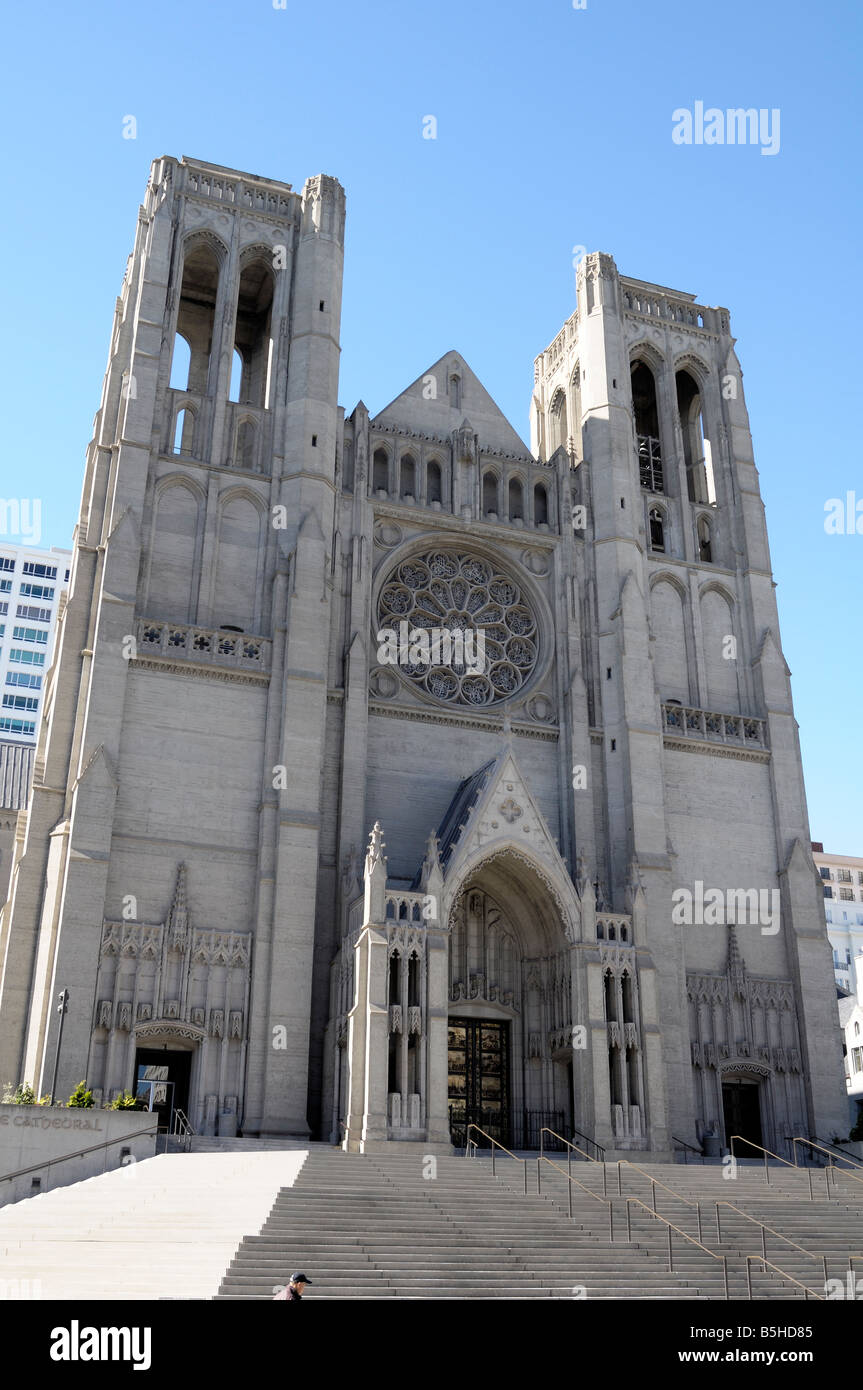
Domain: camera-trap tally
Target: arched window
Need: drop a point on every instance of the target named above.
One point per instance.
(395, 978)
(646, 427)
(236, 376)
(626, 982)
(434, 488)
(455, 392)
(610, 996)
(408, 477)
(252, 339)
(413, 980)
(696, 448)
(657, 529)
(489, 495)
(181, 361)
(540, 505)
(196, 314)
(244, 454)
(381, 471)
(516, 500)
(557, 422)
(184, 431)
(705, 546)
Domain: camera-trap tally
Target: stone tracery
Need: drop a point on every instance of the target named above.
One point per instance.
(454, 591)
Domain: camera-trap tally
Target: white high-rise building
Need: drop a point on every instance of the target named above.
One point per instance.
(31, 582)
(842, 876)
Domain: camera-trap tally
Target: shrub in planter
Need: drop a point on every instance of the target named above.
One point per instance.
(125, 1101)
(81, 1097)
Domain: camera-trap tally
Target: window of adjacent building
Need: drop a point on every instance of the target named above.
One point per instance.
(36, 591)
(17, 726)
(825, 873)
(6, 586)
(828, 891)
(28, 702)
(40, 571)
(847, 895)
(7, 562)
(26, 658)
(36, 615)
(844, 875)
(24, 678)
(29, 634)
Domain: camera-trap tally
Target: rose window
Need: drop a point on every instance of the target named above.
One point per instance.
(480, 644)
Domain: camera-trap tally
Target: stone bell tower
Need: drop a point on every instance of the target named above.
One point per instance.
(185, 706)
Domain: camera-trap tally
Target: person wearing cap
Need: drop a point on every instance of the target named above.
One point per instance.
(294, 1292)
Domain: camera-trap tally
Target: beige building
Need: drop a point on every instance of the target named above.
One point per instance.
(588, 898)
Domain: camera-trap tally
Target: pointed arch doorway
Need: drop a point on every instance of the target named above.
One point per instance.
(510, 1006)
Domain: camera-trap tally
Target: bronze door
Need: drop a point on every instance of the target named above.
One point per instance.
(479, 1078)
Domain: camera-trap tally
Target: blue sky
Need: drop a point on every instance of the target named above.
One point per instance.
(554, 130)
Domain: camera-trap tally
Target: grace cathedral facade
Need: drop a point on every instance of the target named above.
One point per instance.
(315, 892)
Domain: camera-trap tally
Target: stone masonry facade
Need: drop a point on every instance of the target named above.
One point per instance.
(315, 873)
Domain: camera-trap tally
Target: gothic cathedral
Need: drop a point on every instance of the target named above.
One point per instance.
(313, 890)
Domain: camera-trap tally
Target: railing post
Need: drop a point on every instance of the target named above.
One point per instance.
(619, 1188)
(718, 1231)
(725, 1274)
(538, 1178)
(653, 1195)
(670, 1253)
(611, 1222)
(698, 1212)
(827, 1176)
(492, 1159)
(604, 1179)
(748, 1278)
(569, 1189)
(524, 1164)
(628, 1222)
(764, 1241)
(766, 1169)
(809, 1176)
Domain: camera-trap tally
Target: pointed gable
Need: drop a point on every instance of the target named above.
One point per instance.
(434, 405)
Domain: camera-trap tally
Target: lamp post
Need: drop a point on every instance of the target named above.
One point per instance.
(63, 997)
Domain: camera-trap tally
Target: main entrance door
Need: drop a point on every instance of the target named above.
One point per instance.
(164, 1074)
(742, 1114)
(479, 1078)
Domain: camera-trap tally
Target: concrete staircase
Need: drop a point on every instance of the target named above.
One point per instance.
(380, 1226)
(161, 1228)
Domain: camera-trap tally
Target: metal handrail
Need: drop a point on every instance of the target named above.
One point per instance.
(671, 1227)
(827, 1166)
(653, 1182)
(495, 1144)
(78, 1153)
(683, 1144)
(764, 1227)
(807, 1291)
(752, 1144)
(606, 1202)
(845, 1154)
(587, 1139)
